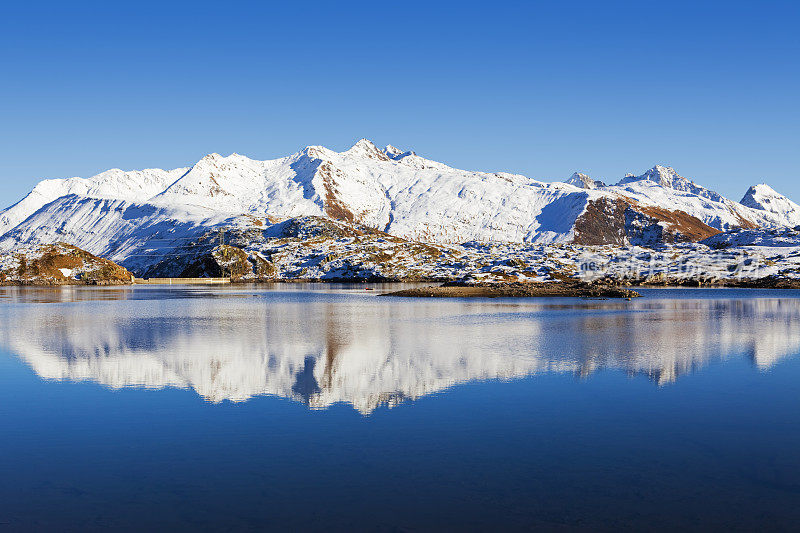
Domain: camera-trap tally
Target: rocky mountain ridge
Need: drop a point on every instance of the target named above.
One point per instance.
(141, 218)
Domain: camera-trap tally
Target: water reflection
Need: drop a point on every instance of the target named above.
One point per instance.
(325, 348)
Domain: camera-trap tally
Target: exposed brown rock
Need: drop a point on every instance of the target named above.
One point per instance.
(223, 261)
(518, 290)
(44, 268)
(334, 206)
(263, 269)
(624, 221)
(216, 188)
(684, 226)
(603, 222)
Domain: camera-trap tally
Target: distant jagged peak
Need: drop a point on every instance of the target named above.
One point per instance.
(392, 150)
(669, 178)
(364, 144)
(758, 193)
(397, 153)
(663, 175)
(765, 198)
(663, 172)
(215, 159)
(215, 162)
(211, 158)
(366, 148)
(207, 163)
(314, 152)
(579, 179)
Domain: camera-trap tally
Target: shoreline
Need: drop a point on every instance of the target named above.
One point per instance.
(765, 283)
(442, 286)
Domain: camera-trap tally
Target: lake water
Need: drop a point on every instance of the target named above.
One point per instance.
(318, 407)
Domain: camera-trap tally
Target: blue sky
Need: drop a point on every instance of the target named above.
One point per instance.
(541, 89)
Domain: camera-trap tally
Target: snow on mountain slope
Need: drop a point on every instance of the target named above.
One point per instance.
(764, 198)
(237, 184)
(579, 179)
(778, 237)
(667, 177)
(396, 191)
(663, 187)
(124, 215)
(139, 234)
(720, 214)
(134, 186)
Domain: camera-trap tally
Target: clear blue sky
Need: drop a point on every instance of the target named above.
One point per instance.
(542, 89)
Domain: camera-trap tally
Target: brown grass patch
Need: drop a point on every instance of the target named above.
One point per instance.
(691, 227)
(334, 206)
(57, 256)
(604, 222)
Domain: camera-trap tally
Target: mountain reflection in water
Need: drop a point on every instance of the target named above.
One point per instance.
(325, 348)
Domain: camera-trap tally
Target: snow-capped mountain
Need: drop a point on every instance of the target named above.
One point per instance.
(579, 179)
(765, 198)
(132, 186)
(667, 177)
(128, 215)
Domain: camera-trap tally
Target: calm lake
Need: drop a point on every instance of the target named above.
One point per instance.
(320, 407)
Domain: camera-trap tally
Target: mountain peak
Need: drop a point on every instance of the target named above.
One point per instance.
(761, 189)
(367, 148)
(396, 153)
(765, 198)
(392, 150)
(669, 178)
(663, 175)
(362, 145)
(388, 189)
(313, 152)
(663, 169)
(209, 161)
(579, 179)
(660, 174)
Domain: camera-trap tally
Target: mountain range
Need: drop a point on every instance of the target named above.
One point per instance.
(125, 215)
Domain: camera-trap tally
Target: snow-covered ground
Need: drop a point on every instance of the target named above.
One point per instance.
(315, 248)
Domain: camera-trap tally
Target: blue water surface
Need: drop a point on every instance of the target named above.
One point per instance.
(305, 407)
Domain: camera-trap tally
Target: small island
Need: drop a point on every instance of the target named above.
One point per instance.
(518, 290)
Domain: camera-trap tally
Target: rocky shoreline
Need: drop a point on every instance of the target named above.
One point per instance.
(457, 289)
